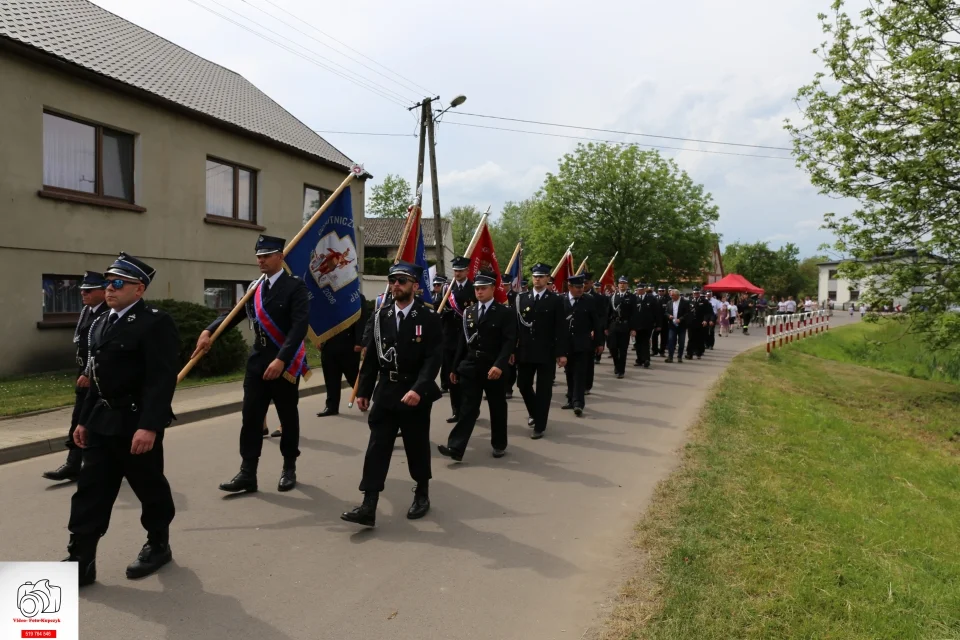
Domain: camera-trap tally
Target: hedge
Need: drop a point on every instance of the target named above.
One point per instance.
(228, 353)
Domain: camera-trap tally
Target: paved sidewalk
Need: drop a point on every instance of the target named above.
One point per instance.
(43, 433)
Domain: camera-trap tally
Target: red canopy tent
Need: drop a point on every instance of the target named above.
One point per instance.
(733, 283)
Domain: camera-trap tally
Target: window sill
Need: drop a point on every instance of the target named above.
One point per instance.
(230, 222)
(57, 324)
(91, 200)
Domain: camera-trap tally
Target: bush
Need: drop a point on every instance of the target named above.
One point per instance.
(376, 266)
(227, 354)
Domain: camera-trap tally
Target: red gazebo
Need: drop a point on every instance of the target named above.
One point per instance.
(733, 283)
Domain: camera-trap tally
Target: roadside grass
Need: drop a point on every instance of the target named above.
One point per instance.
(816, 499)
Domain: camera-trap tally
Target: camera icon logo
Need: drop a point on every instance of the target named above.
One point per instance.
(34, 598)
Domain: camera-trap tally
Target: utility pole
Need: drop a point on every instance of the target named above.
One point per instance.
(424, 113)
(437, 225)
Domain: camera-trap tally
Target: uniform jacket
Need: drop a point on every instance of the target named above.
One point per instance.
(582, 319)
(684, 312)
(491, 340)
(623, 311)
(134, 366)
(351, 337)
(601, 304)
(546, 338)
(87, 318)
(648, 311)
(702, 311)
(414, 362)
(664, 301)
(452, 322)
(288, 304)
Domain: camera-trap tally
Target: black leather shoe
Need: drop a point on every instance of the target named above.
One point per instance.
(276, 434)
(69, 470)
(679, 359)
(84, 553)
(452, 419)
(509, 395)
(577, 411)
(531, 422)
(619, 376)
(450, 453)
(328, 412)
(266, 432)
(670, 360)
(288, 477)
(499, 453)
(366, 513)
(638, 364)
(420, 506)
(152, 557)
(567, 406)
(646, 365)
(246, 480)
(536, 435)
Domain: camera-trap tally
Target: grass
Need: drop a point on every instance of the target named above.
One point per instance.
(817, 499)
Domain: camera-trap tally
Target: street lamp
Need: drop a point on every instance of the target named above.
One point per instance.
(456, 102)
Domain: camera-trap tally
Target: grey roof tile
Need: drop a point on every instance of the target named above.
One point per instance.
(385, 232)
(86, 35)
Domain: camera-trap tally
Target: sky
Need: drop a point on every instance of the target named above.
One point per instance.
(697, 69)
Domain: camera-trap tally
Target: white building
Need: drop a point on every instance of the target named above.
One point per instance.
(841, 291)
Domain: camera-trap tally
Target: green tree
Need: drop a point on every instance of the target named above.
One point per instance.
(613, 198)
(810, 276)
(390, 198)
(463, 223)
(881, 125)
(514, 223)
(777, 271)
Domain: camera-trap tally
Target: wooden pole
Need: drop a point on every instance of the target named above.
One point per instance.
(583, 266)
(609, 266)
(562, 258)
(513, 258)
(470, 248)
(355, 173)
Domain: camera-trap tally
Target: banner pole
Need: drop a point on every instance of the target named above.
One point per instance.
(470, 247)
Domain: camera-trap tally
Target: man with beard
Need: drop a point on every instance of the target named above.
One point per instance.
(398, 379)
(623, 325)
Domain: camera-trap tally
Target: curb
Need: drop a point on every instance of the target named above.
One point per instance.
(55, 445)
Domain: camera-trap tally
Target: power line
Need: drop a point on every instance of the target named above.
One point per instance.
(382, 94)
(626, 133)
(432, 93)
(304, 33)
(620, 142)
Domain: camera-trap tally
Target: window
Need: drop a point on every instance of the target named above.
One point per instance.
(223, 295)
(832, 295)
(86, 158)
(832, 274)
(61, 297)
(231, 191)
(854, 295)
(313, 197)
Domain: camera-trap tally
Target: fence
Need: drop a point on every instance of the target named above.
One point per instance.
(786, 327)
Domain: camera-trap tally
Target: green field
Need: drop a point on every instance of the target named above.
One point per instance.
(817, 499)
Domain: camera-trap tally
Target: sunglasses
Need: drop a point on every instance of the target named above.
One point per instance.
(399, 280)
(118, 284)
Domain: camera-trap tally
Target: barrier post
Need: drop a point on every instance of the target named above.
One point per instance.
(769, 324)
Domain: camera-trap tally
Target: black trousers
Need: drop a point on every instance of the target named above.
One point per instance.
(445, 369)
(384, 425)
(590, 366)
(511, 374)
(576, 371)
(677, 336)
(643, 345)
(338, 364)
(537, 401)
(709, 336)
(664, 337)
(695, 340)
(474, 385)
(620, 346)
(257, 394)
(106, 462)
(81, 393)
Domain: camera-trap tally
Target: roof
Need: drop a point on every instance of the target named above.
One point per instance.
(81, 33)
(733, 283)
(385, 232)
(888, 255)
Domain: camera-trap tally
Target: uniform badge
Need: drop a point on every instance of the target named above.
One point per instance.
(527, 309)
(413, 314)
(131, 317)
(418, 331)
(390, 313)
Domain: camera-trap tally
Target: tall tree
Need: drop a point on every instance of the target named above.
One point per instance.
(881, 125)
(777, 271)
(612, 198)
(514, 223)
(463, 223)
(390, 198)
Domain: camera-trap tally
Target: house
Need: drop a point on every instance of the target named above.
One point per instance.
(115, 139)
(381, 239)
(832, 287)
(715, 272)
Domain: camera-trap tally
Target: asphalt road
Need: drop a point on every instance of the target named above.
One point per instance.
(525, 547)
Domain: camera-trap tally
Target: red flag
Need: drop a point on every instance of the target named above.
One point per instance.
(606, 280)
(409, 253)
(484, 258)
(563, 271)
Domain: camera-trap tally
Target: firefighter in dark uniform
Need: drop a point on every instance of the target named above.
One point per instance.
(660, 338)
(586, 340)
(340, 358)
(280, 309)
(134, 359)
(439, 284)
(452, 316)
(399, 378)
(92, 294)
(623, 324)
(511, 372)
(601, 308)
(487, 340)
(541, 347)
(701, 317)
(649, 315)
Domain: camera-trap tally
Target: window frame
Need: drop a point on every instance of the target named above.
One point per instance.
(60, 318)
(217, 282)
(236, 219)
(98, 145)
(321, 190)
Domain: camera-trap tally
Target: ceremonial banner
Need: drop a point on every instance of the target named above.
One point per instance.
(484, 258)
(606, 279)
(514, 273)
(563, 271)
(415, 251)
(326, 260)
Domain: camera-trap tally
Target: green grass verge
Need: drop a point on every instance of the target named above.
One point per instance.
(817, 499)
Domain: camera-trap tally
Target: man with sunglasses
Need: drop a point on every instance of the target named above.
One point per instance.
(92, 294)
(398, 384)
(461, 292)
(280, 310)
(134, 352)
(487, 339)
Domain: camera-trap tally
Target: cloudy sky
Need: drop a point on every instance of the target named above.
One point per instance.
(719, 71)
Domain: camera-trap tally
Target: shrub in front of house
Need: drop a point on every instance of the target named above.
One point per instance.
(228, 353)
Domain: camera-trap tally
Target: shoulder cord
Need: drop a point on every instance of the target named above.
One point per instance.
(390, 355)
(466, 334)
(528, 325)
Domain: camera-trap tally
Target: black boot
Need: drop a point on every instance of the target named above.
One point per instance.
(246, 480)
(69, 470)
(288, 477)
(366, 513)
(421, 501)
(83, 551)
(154, 554)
